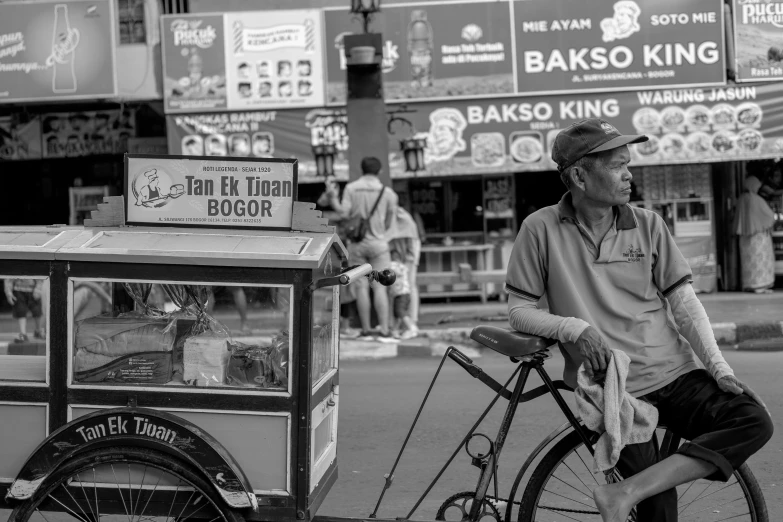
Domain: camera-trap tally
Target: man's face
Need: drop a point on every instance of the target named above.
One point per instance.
(444, 137)
(609, 182)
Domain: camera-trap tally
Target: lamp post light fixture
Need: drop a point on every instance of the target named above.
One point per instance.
(324, 159)
(366, 8)
(413, 153)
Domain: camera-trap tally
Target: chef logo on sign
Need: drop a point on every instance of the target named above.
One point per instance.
(152, 188)
(633, 255)
(445, 136)
(624, 23)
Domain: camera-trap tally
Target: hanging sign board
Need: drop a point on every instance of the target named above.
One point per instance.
(210, 192)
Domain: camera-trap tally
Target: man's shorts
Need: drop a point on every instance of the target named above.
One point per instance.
(25, 302)
(374, 252)
(402, 304)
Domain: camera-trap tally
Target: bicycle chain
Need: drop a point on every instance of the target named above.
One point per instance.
(494, 501)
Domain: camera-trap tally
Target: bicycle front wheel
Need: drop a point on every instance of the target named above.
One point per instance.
(560, 489)
(124, 484)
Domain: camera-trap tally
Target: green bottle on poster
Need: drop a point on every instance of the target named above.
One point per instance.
(195, 71)
(420, 49)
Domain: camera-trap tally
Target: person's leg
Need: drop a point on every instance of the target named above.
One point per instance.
(22, 325)
(413, 270)
(723, 430)
(240, 301)
(380, 258)
(361, 288)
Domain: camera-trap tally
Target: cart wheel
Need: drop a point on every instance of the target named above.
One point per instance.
(133, 484)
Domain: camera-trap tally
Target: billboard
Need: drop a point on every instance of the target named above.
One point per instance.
(239, 61)
(57, 51)
(758, 40)
(573, 45)
(505, 135)
(431, 50)
(197, 191)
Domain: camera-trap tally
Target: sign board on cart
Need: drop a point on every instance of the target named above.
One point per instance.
(210, 192)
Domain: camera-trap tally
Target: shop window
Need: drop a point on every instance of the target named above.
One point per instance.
(467, 206)
(24, 330)
(131, 22)
(186, 336)
(428, 199)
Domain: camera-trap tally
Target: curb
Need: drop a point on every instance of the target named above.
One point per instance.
(353, 350)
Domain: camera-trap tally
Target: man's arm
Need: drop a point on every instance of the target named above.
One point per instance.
(390, 220)
(524, 316)
(694, 325)
(343, 208)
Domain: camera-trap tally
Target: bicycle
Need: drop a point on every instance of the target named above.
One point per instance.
(559, 487)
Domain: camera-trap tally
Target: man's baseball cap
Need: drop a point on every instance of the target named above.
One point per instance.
(588, 137)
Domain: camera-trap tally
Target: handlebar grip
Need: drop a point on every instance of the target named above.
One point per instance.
(353, 274)
(386, 277)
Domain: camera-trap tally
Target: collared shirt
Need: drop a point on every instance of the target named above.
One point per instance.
(359, 197)
(618, 286)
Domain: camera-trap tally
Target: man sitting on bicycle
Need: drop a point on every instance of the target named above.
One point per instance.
(608, 271)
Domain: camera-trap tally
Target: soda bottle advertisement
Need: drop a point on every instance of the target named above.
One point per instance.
(57, 50)
(274, 59)
(193, 63)
(431, 50)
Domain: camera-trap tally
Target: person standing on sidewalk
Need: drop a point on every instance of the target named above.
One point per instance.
(360, 197)
(406, 240)
(615, 279)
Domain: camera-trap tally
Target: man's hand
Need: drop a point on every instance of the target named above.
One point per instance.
(595, 351)
(731, 384)
(11, 298)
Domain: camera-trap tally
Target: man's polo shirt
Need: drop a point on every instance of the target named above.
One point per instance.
(618, 287)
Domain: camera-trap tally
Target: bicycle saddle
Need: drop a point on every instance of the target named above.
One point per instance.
(509, 342)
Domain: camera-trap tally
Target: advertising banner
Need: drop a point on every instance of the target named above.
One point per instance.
(85, 133)
(227, 192)
(514, 134)
(261, 134)
(194, 63)
(431, 50)
(57, 51)
(573, 45)
(20, 137)
(758, 40)
(239, 61)
(275, 59)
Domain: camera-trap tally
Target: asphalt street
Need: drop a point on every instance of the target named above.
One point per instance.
(378, 400)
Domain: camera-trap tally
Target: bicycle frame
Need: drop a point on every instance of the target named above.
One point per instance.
(489, 462)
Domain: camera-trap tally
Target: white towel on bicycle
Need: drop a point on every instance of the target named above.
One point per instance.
(611, 411)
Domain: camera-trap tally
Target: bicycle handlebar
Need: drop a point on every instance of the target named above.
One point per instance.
(350, 275)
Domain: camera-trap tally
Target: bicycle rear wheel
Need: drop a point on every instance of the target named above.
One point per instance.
(560, 489)
(124, 484)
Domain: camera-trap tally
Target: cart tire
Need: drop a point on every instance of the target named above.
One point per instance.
(83, 500)
(743, 485)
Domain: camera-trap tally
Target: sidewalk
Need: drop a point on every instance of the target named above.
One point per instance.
(741, 321)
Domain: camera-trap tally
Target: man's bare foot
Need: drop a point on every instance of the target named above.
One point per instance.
(613, 502)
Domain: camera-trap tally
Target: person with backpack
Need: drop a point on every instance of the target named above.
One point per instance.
(368, 210)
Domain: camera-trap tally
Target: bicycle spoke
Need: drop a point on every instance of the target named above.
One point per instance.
(119, 489)
(75, 503)
(138, 498)
(570, 486)
(568, 498)
(148, 499)
(196, 511)
(86, 497)
(559, 513)
(715, 507)
(130, 491)
(586, 466)
(184, 507)
(42, 515)
(66, 507)
(173, 500)
(732, 517)
(577, 476)
(95, 490)
(694, 500)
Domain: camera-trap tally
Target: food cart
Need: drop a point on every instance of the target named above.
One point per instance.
(164, 410)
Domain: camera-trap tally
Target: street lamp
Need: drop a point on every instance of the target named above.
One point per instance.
(412, 147)
(366, 8)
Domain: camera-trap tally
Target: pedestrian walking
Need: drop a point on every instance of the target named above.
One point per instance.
(400, 295)
(368, 210)
(25, 296)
